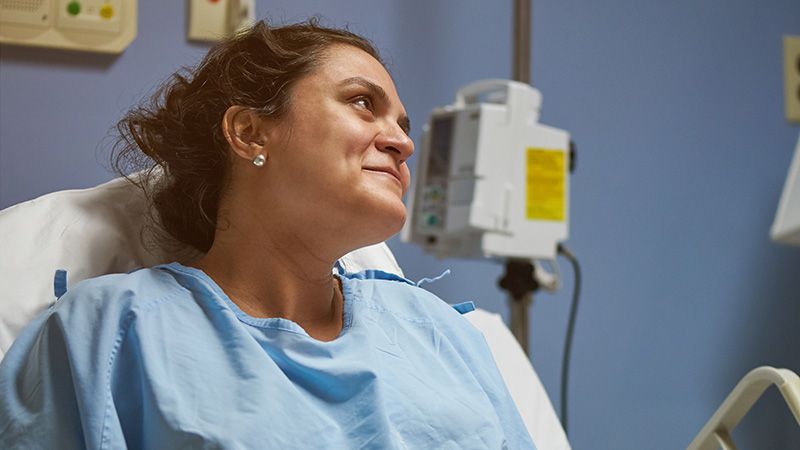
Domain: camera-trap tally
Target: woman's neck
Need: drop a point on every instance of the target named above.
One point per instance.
(277, 277)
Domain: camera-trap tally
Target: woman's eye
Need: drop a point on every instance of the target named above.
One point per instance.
(363, 102)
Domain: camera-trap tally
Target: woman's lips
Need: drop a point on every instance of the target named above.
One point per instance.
(387, 171)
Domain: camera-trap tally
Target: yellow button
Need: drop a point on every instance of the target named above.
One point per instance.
(106, 11)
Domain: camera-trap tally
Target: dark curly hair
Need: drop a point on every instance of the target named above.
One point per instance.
(176, 135)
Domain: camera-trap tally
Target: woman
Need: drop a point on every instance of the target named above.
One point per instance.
(283, 151)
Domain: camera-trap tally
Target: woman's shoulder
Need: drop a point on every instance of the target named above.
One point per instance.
(138, 284)
(120, 294)
(391, 293)
(92, 315)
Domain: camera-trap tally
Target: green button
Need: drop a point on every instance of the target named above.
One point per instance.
(74, 8)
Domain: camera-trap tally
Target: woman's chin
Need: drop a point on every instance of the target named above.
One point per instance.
(381, 223)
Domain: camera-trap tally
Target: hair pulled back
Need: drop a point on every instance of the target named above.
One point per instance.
(177, 134)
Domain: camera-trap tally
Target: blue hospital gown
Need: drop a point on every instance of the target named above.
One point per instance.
(162, 358)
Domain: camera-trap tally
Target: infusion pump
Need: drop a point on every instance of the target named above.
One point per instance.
(490, 180)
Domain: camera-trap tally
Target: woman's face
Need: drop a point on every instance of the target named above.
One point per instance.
(340, 154)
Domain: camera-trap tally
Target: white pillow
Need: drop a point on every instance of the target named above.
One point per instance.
(88, 232)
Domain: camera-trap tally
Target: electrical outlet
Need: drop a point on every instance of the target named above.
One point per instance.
(791, 76)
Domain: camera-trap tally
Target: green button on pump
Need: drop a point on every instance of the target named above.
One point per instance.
(74, 8)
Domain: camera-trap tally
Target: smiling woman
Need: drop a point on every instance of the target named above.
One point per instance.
(345, 129)
(282, 151)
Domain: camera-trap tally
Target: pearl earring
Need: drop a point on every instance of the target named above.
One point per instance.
(259, 160)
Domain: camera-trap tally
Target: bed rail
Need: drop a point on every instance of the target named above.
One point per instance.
(716, 433)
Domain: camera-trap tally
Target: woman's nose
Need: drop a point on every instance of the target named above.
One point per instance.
(394, 139)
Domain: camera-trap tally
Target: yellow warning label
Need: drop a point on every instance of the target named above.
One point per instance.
(545, 184)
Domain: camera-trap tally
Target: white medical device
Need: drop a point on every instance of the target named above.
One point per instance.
(104, 26)
(491, 180)
(786, 227)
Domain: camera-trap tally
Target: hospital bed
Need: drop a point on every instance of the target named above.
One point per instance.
(101, 230)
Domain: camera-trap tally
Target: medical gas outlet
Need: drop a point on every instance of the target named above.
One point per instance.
(106, 26)
(213, 20)
(491, 180)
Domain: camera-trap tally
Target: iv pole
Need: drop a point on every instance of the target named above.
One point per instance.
(518, 279)
(521, 65)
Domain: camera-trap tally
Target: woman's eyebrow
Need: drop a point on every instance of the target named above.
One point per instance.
(374, 89)
(379, 93)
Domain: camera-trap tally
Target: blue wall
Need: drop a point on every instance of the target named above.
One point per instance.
(676, 108)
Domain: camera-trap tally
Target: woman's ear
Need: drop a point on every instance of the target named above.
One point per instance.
(245, 131)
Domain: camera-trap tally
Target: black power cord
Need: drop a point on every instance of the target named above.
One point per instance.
(570, 331)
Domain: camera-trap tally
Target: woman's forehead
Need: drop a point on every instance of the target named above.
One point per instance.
(343, 62)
